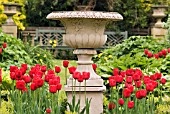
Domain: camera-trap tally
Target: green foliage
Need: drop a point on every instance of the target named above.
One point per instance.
(7, 107)
(17, 53)
(130, 54)
(165, 107)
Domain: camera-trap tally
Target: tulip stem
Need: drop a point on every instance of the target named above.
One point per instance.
(80, 93)
(53, 106)
(0, 96)
(85, 91)
(66, 76)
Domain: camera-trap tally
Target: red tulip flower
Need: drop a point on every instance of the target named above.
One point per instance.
(123, 73)
(80, 78)
(119, 78)
(115, 71)
(129, 79)
(12, 75)
(13, 68)
(59, 86)
(0, 50)
(65, 63)
(149, 54)
(33, 86)
(141, 94)
(149, 87)
(4, 45)
(20, 84)
(94, 66)
(168, 50)
(57, 69)
(121, 101)
(24, 66)
(48, 110)
(130, 104)
(163, 80)
(158, 75)
(126, 93)
(53, 88)
(76, 75)
(43, 68)
(27, 79)
(72, 69)
(0, 79)
(156, 56)
(163, 52)
(112, 82)
(138, 84)
(146, 51)
(160, 54)
(86, 75)
(111, 105)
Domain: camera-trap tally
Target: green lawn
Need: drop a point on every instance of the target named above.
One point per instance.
(62, 73)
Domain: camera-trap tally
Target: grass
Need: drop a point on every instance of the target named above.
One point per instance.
(62, 73)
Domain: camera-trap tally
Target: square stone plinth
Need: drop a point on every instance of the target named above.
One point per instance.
(158, 32)
(10, 30)
(93, 93)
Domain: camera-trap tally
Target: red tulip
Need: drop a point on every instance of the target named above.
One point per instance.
(86, 75)
(57, 69)
(136, 77)
(123, 73)
(121, 101)
(168, 50)
(138, 84)
(112, 82)
(27, 79)
(20, 84)
(146, 51)
(48, 110)
(119, 78)
(12, 75)
(163, 80)
(33, 86)
(115, 71)
(153, 77)
(24, 66)
(129, 72)
(143, 93)
(129, 79)
(72, 69)
(156, 56)
(163, 52)
(111, 105)
(4, 45)
(160, 54)
(50, 72)
(126, 93)
(138, 95)
(13, 68)
(65, 63)
(80, 78)
(158, 75)
(130, 87)
(130, 104)
(94, 66)
(149, 87)
(76, 75)
(53, 88)
(43, 68)
(150, 54)
(59, 86)
(0, 50)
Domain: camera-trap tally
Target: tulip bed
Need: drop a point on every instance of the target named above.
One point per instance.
(136, 74)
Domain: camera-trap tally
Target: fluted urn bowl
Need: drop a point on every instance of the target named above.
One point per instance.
(84, 29)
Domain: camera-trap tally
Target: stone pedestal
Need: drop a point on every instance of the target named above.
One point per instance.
(10, 27)
(158, 32)
(93, 93)
(158, 13)
(85, 32)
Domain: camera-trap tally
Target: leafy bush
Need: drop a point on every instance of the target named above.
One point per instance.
(17, 53)
(130, 54)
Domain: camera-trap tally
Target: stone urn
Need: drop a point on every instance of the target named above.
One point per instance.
(10, 27)
(159, 14)
(84, 33)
